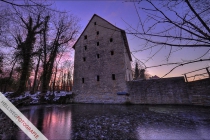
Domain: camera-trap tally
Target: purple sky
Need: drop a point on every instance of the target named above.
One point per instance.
(114, 12)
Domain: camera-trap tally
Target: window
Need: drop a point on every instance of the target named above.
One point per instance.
(97, 32)
(111, 40)
(98, 78)
(83, 80)
(85, 47)
(113, 76)
(85, 36)
(84, 58)
(112, 52)
(97, 43)
(98, 56)
(94, 23)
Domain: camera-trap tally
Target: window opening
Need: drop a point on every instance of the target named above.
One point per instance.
(112, 52)
(98, 78)
(84, 58)
(113, 76)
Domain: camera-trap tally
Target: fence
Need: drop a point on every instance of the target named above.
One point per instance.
(203, 75)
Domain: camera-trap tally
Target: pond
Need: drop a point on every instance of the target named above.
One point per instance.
(88, 121)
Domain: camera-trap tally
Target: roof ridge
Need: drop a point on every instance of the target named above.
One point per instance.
(108, 22)
(89, 23)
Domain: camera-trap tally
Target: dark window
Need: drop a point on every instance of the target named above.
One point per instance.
(98, 78)
(97, 32)
(94, 23)
(113, 76)
(83, 80)
(84, 58)
(112, 52)
(98, 56)
(85, 47)
(97, 43)
(85, 36)
(111, 40)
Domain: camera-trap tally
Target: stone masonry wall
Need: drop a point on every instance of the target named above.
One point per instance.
(93, 78)
(169, 91)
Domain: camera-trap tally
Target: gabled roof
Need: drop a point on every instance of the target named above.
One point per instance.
(122, 31)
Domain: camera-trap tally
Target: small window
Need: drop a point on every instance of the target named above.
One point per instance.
(112, 52)
(111, 40)
(113, 76)
(97, 32)
(83, 80)
(84, 58)
(98, 56)
(85, 47)
(98, 78)
(97, 43)
(85, 37)
(94, 23)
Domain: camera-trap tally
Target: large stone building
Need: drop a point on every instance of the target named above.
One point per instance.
(102, 63)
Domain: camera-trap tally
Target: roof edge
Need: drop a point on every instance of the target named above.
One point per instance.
(89, 23)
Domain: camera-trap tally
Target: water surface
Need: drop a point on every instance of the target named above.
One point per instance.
(142, 122)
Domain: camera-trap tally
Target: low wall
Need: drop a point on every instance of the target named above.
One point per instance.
(169, 91)
(106, 98)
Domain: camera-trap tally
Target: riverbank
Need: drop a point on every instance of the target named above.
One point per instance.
(58, 97)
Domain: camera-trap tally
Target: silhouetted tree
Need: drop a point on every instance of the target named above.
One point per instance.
(1, 63)
(142, 74)
(136, 74)
(25, 47)
(65, 30)
(174, 25)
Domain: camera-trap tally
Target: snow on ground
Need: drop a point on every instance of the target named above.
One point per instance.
(34, 97)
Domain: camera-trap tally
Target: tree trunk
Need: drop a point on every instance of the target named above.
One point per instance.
(36, 71)
(24, 74)
(10, 76)
(55, 78)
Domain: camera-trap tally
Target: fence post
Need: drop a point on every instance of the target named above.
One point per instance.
(208, 72)
(185, 78)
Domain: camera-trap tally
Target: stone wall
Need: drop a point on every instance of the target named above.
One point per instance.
(169, 91)
(101, 98)
(101, 66)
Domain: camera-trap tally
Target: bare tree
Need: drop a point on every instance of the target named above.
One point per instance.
(1, 63)
(36, 71)
(37, 32)
(174, 25)
(65, 29)
(136, 74)
(25, 47)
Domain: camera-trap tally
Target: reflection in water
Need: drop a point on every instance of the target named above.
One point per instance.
(53, 121)
(143, 122)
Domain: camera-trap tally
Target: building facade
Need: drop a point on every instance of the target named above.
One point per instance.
(101, 64)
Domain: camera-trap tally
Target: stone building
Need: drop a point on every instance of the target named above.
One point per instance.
(102, 63)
